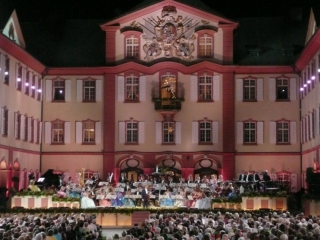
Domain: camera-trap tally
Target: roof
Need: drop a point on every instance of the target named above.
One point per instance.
(269, 41)
(74, 43)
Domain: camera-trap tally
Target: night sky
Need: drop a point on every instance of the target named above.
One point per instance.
(37, 10)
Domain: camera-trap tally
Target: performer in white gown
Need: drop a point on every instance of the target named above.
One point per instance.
(86, 201)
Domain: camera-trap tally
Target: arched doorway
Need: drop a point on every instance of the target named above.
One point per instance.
(205, 167)
(171, 167)
(3, 172)
(132, 168)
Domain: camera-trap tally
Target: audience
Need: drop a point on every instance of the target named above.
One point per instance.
(257, 225)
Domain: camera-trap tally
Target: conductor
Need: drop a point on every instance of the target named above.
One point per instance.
(145, 196)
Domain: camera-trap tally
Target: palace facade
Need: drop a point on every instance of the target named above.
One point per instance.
(170, 86)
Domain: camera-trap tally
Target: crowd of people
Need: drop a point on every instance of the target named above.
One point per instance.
(49, 227)
(255, 225)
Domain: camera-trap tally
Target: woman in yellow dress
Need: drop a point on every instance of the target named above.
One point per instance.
(32, 187)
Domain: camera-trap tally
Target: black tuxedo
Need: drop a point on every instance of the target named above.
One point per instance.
(242, 177)
(122, 179)
(144, 197)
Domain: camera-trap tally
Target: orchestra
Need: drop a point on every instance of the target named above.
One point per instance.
(160, 190)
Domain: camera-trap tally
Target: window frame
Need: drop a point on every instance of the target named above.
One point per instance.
(19, 78)
(132, 35)
(245, 130)
(247, 89)
(7, 70)
(27, 83)
(209, 87)
(33, 86)
(167, 74)
(84, 88)
(167, 133)
(61, 132)
(62, 88)
(200, 142)
(25, 129)
(5, 121)
(132, 76)
(84, 129)
(208, 34)
(18, 125)
(39, 90)
(133, 131)
(283, 121)
(281, 86)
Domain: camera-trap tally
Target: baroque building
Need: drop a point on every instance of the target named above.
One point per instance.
(171, 85)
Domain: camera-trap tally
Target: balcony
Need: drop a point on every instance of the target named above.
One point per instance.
(167, 104)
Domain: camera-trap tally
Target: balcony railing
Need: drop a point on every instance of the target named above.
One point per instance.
(167, 103)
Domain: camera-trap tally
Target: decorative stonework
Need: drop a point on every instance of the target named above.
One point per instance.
(169, 35)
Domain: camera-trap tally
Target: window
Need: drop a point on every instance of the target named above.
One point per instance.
(168, 132)
(58, 90)
(168, 87)
(89, 90)
(27, 83)
(205, 132)
(282, 87)
(132, 132)
(249, 132)
(205, 88)
(7, 70)
(132, 46)
(4, 121)
(57, 132)
(33, 86)
(313, 124)
(88, 132)
(31, 130)
(17, 125)
(283, 129)
(205, 46)
(19, 78)
(132, 88)
(26, 128)
(249, 89)
(39, 90)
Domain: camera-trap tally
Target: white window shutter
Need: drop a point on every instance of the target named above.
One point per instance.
(30, 82)
(98, 90)
(194, 88)
(239, 89)
(215, 132)
(120, 87)
(272, 89)
(273, 132)
(67, 95)
(29, 128)
(307, 127)
(122, 132)
(293, 132)
(316, 127)
(195, 132)
(260, 89)
(293, 89)
(22, 127)
(141, 136)
(36, 87)
(98, 132)
(48, 132)
(23, 80)
(2, 120)
(67, 130)
(16, 125)
(35, 130)
(311, 126)
(142, 88)
(2, 67)
(216, 88)
(79, 90)
(48, 90)
(17, 74)
(40, 132)
(177, 133)
(239, 132)
(158, 132)
(260, 132)
(79, 132)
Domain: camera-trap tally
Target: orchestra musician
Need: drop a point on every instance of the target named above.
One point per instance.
(213, 182)
(122, 178)
(256, 181)
(190, 179)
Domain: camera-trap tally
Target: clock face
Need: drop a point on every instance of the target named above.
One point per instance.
(169, 33)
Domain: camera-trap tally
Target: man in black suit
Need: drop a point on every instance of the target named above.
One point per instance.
(122, 178)
(242, 176)
(256, 181)
(144, 196)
